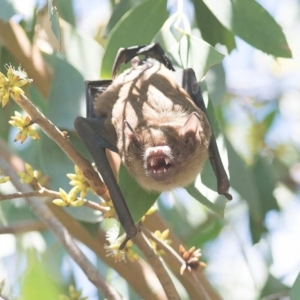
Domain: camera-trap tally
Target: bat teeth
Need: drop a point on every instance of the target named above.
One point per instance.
(167, 160)
(165, 170)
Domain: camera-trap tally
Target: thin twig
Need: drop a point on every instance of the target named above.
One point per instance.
(20, 195)
(178, 260)
(95, 206)
(23, 227)
(157, 264)
(49, 219)
(52, 194)
(64, 143)
(156, 222)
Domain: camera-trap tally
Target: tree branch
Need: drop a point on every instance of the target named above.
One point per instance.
(156, 222)
(23, 227)
(156, 263)
(172, 254)
(148, 286)
(64, 143)
(48, 218)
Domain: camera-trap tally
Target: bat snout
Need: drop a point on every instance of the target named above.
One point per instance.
(158, 162)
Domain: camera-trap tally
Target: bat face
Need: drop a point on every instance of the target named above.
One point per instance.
(162, 136)
(163, 158)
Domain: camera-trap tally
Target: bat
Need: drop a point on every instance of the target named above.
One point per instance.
(156, 120)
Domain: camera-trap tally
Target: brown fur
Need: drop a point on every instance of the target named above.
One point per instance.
(156, 109)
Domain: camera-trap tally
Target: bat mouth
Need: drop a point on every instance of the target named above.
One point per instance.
(158, 163)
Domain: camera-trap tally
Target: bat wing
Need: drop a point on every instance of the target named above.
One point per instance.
(96, 138)
(189, 83)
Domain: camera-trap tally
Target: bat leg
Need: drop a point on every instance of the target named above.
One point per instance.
(92, 90)
(153, 50)
(91, 131)
(190, 84)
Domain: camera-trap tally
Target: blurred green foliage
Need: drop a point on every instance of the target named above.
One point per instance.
(253, 179)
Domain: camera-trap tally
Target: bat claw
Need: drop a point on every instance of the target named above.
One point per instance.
(129, 235)
(228, 196)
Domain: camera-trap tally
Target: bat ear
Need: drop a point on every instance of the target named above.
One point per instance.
(189, 131)
(130, 133)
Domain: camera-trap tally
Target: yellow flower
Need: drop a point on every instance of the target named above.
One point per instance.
(24, 124)
(69, 199)
(113, 249)
(78, 180)
(32, 175)
(11, 84)
(163, 236)
(3, 179)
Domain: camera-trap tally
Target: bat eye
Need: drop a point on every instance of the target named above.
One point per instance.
(135, 144)
(176, 151)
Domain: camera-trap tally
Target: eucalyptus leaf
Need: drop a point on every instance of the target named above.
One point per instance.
(66, 11)
(295, 291)
(82, 52)
(265, 182)
(251, 22)
(7, 10)
(119, 10)
(216, 203)
(133, 29)
(272, 287)
(241, 179)
(187, 50)
(36, 281)
(138, 200)
(67, 94)
(212, 31)
(54, 19)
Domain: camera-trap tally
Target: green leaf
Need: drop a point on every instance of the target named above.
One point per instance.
(255, 184)
(187, 50)
(216, 85)
(269, 119)
(7, 10)
(119, 10)
(66, 93)
(16, 211)
(82, 61)
(66, 11)
(216, 203)
(295, 291)
(212, 31)
(241, 179)
(273, 286)
(205, 232)
(82, 52)
(36, 283)
(251, 22)
(137, 27)
(266, 183)
(54, 18)
(138, 200)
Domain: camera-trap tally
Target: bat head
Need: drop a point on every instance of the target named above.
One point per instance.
(164, 157)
